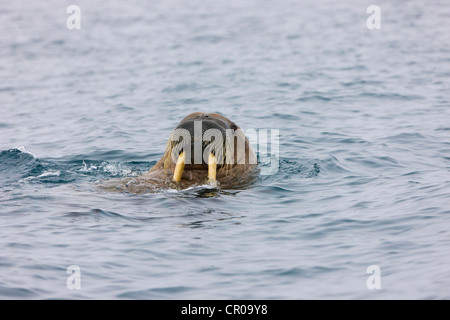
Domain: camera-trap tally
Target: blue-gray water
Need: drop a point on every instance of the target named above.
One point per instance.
(364, 126)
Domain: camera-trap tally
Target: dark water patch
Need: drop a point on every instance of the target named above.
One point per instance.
(312, 98)
(276, 191)
(307, 272)
(285, 116)
(13, 165)
(193, 101)
(373, 161)
(208, 38)
(361, 82)
(405, 137)
(290, 168)
(337, 137)
(11, 292)
(287, 85)
(58, 42)
(358, 67)
(19, 245)
(357, 180)
(190, 63)
(155, 292)
(399, 246)
(181, 87)
(95, 214)
(11, 157)
(314, 171)
(352, 140)
(209, 223)
(123, 107)
(362, 204)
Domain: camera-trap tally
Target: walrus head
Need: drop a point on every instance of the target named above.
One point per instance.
(206, 146)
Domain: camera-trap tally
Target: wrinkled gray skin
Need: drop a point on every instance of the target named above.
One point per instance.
(239, 175)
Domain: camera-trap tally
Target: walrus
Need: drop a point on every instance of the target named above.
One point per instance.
(203, 149)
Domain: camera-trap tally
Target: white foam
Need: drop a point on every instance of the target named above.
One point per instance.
(88, 169)
(118, 169)
(115, 169)
(50, 174)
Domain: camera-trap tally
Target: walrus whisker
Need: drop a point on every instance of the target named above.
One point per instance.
(167, 156)
(179, 167)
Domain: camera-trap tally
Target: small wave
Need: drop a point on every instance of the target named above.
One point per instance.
(212, 38)
(373, 161)
(405, 137)
(390, 96)
(14, 161)
(314, 98)
(286, 116)
(332, 165)
(361, 82)
(17, 292)
(181, 87)
(24, 150)
(17, 152)
(334, 137)
(94, 213)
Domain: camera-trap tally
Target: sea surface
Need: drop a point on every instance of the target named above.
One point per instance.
(363, 173)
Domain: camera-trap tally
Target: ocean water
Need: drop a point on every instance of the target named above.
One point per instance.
(364, 150)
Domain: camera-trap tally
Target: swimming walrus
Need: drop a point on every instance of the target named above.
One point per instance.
(204, 148)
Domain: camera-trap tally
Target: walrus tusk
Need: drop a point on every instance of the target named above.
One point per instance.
(212, 165)
(179, 167)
